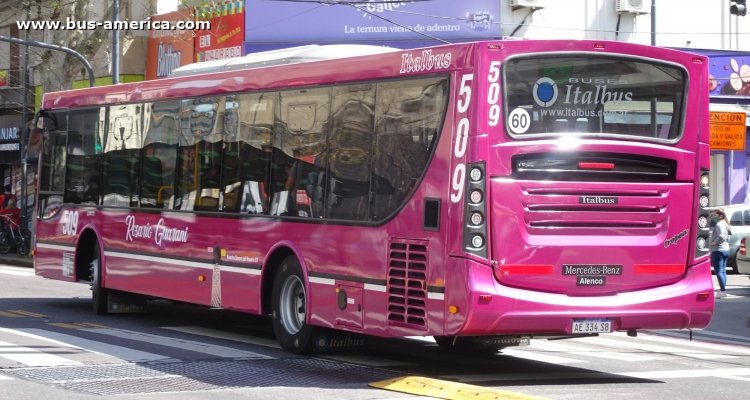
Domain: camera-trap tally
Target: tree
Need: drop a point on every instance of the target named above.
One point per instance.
(54, 70)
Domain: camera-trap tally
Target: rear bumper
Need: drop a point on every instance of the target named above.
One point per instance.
(526, 312)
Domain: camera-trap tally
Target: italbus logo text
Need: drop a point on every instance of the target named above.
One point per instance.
(426, 61)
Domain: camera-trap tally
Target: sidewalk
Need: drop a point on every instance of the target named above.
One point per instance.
(14, 259)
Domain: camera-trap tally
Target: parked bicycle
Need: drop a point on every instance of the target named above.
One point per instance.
(13, 235)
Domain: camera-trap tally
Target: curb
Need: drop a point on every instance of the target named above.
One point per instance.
(19, 261)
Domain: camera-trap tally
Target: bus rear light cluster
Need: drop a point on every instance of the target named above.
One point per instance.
(475, 212)
(701, 241)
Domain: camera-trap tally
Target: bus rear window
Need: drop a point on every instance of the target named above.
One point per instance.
(593, 95)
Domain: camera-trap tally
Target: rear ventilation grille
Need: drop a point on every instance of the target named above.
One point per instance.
(407, 282)
(575, 208)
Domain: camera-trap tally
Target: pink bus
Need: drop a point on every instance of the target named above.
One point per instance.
(481, 193)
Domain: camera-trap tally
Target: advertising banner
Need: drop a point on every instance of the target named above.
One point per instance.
(399, 24)
(224, 39)
(729, 74)
(169, 49)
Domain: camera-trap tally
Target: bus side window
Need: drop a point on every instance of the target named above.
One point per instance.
(163, 191)
(405, 110)
(299, 142)
(349, 148)
(117, 181)
(52, 172)
(83, 172)
(249, 119)
(151, 181)
(254, 177)
(161, 129)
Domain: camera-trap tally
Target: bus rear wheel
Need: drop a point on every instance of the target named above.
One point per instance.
(99, 294)
(290, 299)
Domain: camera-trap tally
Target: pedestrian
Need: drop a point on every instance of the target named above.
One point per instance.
(719, 248)
(12, 212)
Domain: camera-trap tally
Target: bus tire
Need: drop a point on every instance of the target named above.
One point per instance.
(290, 308)
(99, 294)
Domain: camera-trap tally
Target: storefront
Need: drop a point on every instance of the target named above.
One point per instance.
(11, 161)
(729, 91)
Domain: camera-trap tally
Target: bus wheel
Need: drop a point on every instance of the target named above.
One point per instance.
(466, 345)
(99, 294)
(290, 308)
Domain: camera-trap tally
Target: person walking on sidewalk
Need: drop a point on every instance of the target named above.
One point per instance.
(719, 248)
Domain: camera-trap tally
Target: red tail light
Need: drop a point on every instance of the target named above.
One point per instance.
(659, 268)
(524, 269)
(743, 249)
(596, 165)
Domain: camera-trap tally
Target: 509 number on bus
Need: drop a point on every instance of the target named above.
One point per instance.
(69, 222)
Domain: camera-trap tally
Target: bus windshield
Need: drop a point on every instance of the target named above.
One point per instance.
(594, 95)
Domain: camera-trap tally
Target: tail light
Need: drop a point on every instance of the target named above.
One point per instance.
(701, 240)
(475, 212)
(743, 249)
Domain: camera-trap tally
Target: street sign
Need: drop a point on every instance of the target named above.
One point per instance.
(727, 130)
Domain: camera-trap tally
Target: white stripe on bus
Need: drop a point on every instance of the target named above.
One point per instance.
(55, 247)
(322, 281)
(435, 296)
(163, 260)
(240, 270)
(374, 287)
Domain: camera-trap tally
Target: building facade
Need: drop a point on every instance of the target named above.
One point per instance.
(26, 72)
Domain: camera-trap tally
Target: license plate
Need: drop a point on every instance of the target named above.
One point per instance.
(592, 326)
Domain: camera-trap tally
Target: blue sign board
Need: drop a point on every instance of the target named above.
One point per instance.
(730, 74)
(407, 24)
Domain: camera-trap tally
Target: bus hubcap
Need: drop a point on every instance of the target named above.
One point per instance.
(292, 304)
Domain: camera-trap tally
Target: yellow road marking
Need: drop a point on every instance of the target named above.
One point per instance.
(76, 325)
(422, 386)
(9, 314)
(20, 313)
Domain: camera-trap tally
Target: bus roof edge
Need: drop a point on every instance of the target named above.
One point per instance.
(290, 55)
